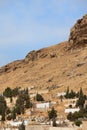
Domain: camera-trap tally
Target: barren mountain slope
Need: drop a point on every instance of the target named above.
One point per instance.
(55, 67)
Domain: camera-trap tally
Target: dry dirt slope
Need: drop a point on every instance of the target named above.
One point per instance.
(61, 65)
(48, 67)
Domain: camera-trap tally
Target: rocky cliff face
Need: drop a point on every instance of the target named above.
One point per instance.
(78, 34)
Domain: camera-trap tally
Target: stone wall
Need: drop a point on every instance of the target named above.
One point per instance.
(61, 128)
(38, 127)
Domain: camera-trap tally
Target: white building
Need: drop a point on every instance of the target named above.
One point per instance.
(32, 95)
(31, 87)
(43, 105)
(61, 94)
(15, 123)
(72, 110)
(18, 123)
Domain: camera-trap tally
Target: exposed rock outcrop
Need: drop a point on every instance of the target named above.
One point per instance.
(31, 56)
(78, 34)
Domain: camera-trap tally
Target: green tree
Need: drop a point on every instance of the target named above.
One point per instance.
(7, 92)
(3, 104)
(3, 116)
(39, 97)
(70, 116)
(20, 105)
(13, 113)
(23, 101)
(26, 91)
(81, 92)
(26, 98)
(15, 92)
(81, 100)
(52, 114)
(78, 122)
(8, 111)
(76, 115)
(3, 107)
(67, 93)
(72, 94)
(28, 104)
(18, 109)
(54, 123)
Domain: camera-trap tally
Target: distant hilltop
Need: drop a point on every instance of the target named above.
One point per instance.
(55, 68)
(78, 34)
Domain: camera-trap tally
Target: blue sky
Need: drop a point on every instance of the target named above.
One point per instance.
(26, 25)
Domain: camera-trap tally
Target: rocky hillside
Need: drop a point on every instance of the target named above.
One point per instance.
(53, 68)
(78, 34)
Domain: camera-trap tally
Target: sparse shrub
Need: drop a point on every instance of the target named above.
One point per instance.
(70, 116)
(78, 122)
(39, 97)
